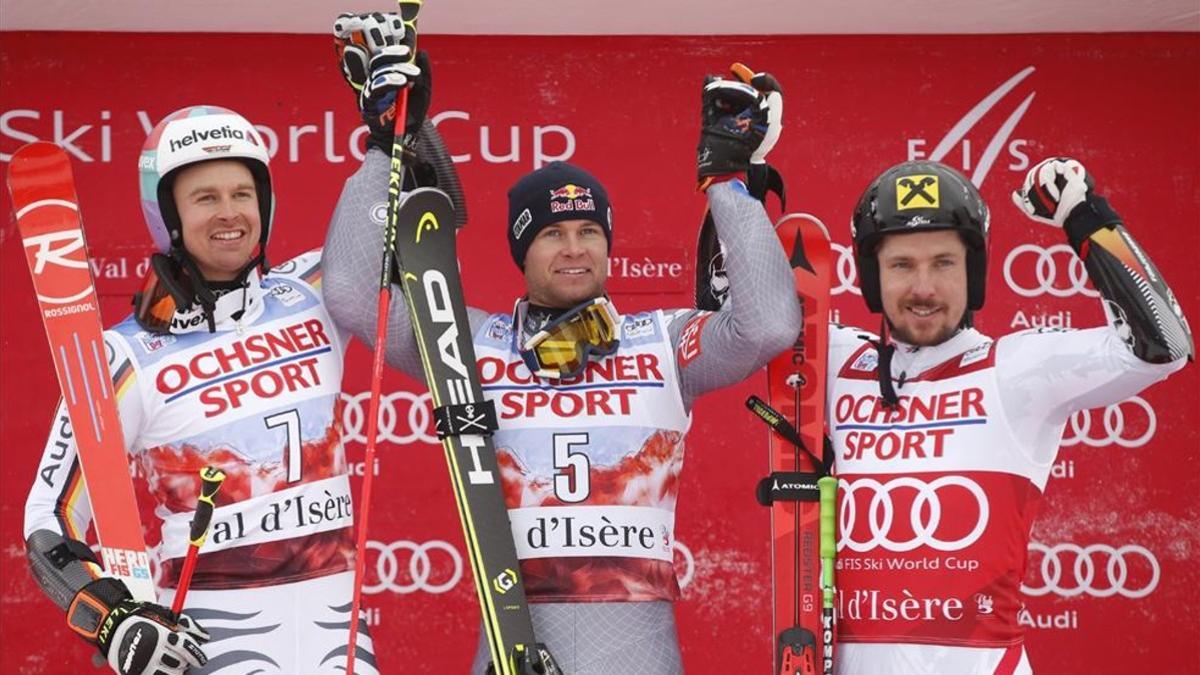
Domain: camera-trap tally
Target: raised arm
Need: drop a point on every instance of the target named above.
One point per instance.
(741, 122)
(1051, 373)
(374, 62)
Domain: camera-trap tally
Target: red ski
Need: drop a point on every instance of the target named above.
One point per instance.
(799, 489)
(47, 211)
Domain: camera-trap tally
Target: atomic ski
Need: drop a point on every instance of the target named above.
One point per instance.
(799, 490)
(425, 243)
(47, 211)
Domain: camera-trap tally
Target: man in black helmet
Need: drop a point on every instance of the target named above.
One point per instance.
(944, 436)
(593, 404)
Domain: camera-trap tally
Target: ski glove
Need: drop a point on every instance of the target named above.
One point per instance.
(136, 638)
(1059, 192)
(740, 121)
(377, 62)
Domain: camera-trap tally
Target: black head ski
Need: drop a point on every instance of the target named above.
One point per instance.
(425, 242)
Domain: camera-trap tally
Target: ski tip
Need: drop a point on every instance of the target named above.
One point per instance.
(798, 219)
(40, 172)
(36, 151)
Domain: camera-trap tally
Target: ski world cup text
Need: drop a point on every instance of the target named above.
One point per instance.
(261, 366)
(905, 431)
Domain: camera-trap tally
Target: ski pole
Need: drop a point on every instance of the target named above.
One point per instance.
(408, 14)
(210, 481)
(828, 487)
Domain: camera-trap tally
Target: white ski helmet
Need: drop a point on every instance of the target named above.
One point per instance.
(188, 136)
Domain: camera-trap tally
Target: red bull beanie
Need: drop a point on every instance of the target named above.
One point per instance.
(554, 193)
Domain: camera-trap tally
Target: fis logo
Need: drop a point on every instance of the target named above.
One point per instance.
(958, 139)
(916, 192)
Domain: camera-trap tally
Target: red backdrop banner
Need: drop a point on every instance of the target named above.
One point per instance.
(1112, 573)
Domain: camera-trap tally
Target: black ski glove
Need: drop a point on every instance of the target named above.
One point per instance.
(740, 121)
(136, 638)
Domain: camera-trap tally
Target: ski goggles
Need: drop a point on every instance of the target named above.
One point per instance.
(561, 349)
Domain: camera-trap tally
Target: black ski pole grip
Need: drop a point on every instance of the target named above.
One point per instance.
(781, 426)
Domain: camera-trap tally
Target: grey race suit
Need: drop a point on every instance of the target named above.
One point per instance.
(627, 626)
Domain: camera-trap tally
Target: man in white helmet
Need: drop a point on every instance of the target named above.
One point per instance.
(944, 436)
(222, 363)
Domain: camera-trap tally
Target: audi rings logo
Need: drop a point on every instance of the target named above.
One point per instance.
(404, 417)
(1099, 570)
(1118, 424)
(925, 511)
(846, 271)
(408, 567)
(1055, 270)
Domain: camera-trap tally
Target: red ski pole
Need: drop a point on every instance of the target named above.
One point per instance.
(210, 481)
(408, 14)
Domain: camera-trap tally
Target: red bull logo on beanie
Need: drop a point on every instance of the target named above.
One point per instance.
(571, 197)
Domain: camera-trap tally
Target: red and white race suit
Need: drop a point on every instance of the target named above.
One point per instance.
(938, 495)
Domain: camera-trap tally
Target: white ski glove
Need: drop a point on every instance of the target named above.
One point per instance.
(1053, 189)
(377, 62)
(359, 37)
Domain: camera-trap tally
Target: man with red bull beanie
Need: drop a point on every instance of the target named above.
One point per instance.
(944, 436)
(594, 404)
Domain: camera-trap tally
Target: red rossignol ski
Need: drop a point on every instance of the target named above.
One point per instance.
(799, 489)
(47, 211)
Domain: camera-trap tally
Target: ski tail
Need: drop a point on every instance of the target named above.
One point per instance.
(43, 194)
(800, 464)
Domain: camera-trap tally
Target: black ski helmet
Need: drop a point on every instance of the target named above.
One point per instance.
(920, 196)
